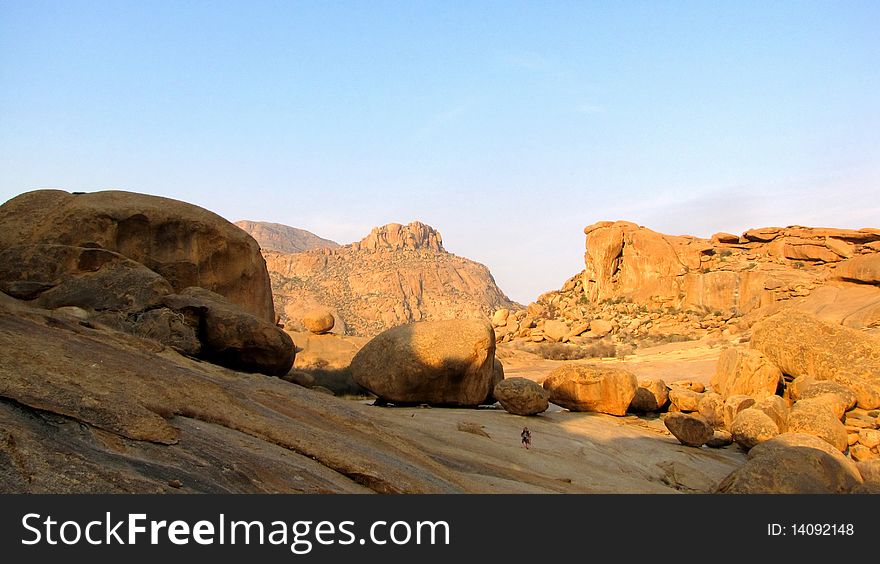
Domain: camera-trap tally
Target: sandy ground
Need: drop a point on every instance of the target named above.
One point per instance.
(570, 452)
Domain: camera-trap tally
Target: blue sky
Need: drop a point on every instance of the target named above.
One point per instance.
(508, 126)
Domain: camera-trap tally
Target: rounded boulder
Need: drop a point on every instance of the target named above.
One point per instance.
(434, 362)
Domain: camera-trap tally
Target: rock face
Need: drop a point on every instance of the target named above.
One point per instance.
(397, 274)
(726, 273)
(283, 238)
(745, 372)
(521, 396)
(185, 244)
(801, 345)
(435, 362)
(793, 463)
(581, 387)
(690, 430)
(94, 410)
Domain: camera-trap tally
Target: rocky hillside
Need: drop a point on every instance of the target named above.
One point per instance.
(642, 285)
(394, 275)
(283, 238)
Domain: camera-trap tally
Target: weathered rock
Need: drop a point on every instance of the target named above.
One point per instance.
(232, 337)
(733, 405)
(864, 269)
(499, 318)
(185, 244)
(745, 372)
(434, 362)
(160, 324)
(555, 330)
(690, 430)
(300, 378)
(861, 453)
(684, 399)
(806, 388)
(870, 471)
(869, 437)
(94, 410)
(318, 321)
(691, 385)
(581, 387)
(777, 409)
(815, 418)
(720, 439)
(726, 238)
(94, 279)
(801, 345)
(712, 408)
(792, 463)
(600, 327)
(751, 427)
(521, 396)
(651, 395)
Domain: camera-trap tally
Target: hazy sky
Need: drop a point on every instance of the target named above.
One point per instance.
(508, 126)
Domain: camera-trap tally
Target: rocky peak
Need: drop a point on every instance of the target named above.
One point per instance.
(415, 236)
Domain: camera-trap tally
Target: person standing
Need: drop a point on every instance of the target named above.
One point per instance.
(526, 437)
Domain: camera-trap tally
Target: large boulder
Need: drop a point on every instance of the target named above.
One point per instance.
(585, 387)
(745, 372)
(185, 244)
(807, 388)
(802, 345)
(232, 337)
(690, 430)
(712, 408)
(433, 362)
(651, 395)
(815, 418)
(870, 471)
(776, 409)
(521, 396)
(732, 406)
(751, 427)
(683, 399)
(793, 463)
(555, 330)
(319, 321)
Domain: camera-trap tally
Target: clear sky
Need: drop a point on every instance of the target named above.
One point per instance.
(508, 126)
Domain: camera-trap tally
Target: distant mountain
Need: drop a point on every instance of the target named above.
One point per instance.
(283, 238)
(396, 274)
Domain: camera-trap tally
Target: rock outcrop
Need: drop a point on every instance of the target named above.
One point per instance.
(185, 244)
(448, 363)
(624, 260)
(641, 287)
(398, 274)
